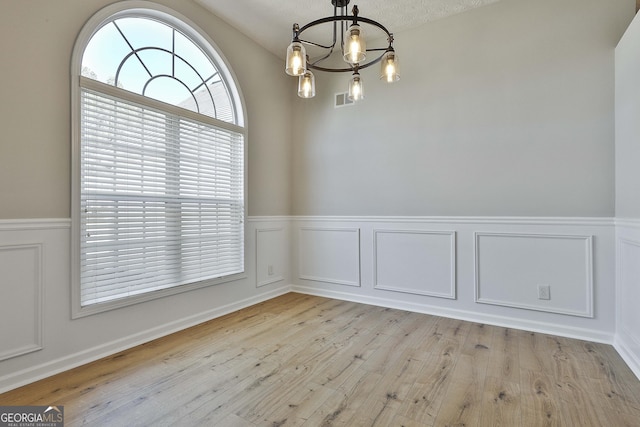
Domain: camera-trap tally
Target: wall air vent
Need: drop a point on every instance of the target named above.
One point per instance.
(342, 100)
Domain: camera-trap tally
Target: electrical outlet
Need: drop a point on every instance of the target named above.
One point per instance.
(270, 270)
(544, 292)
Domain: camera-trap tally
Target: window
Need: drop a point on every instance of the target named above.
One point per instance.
(158, 176)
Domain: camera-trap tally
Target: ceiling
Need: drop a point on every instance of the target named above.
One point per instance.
(269, 22)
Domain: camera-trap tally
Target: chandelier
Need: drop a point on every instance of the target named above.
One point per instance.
(352, 47)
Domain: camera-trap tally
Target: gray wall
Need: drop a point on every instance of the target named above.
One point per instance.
(628, 124)
(506, 110)
(628, 196)
(37, 38)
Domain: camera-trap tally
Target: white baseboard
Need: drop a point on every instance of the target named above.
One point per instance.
(622, 346)
(503, 321)
(38, 372)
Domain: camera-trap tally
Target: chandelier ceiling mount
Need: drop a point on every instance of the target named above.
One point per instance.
(340, 3)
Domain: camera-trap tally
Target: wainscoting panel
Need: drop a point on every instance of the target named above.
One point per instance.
(21, 299)
(415, 262)
(480, 269)
(509, 268)
(272, 252)
(35, 267)
(329, 255)
(323, 254)
(630, 287)
(628, 294)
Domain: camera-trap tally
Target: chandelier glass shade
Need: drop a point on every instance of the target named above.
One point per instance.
(355, 50)
(389, 67)
(347, 37)
(296, 59)
(356, 89)
(307, 85)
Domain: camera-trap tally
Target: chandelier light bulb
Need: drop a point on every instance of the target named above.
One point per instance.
(355, 45)
(297, 64)
(296, 59)
(389, 70)
(356, 90)
(307, 85)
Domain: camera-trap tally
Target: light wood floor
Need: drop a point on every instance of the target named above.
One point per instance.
(310, 361)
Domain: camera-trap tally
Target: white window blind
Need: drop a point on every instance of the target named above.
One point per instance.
(162, 199)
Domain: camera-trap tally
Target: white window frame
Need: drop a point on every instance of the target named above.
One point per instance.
(150, 10)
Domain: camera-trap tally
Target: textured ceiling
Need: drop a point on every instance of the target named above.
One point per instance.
(269, 22)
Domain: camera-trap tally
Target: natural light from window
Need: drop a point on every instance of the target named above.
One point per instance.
(153, 59)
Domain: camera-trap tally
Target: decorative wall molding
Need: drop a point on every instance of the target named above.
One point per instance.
(581, 221)
(530, 272)
(34, 224)
(633, 223)
(263, 219)
(330, 255)
(352, 244)
(627, 341)
(269, 265)
(23, 291)
(582, 304)
(413, 267)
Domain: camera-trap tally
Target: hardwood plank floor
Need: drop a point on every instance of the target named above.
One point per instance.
(300, 360)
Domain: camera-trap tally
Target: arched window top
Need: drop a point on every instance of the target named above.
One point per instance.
(156, 55)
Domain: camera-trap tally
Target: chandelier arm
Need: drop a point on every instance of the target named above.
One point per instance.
(335, 30)
(330, 48)
(342, 70)
(307, 42)
(323, 57)
(342, 30)
(329, 70)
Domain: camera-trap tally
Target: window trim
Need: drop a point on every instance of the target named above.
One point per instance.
(141, 8)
